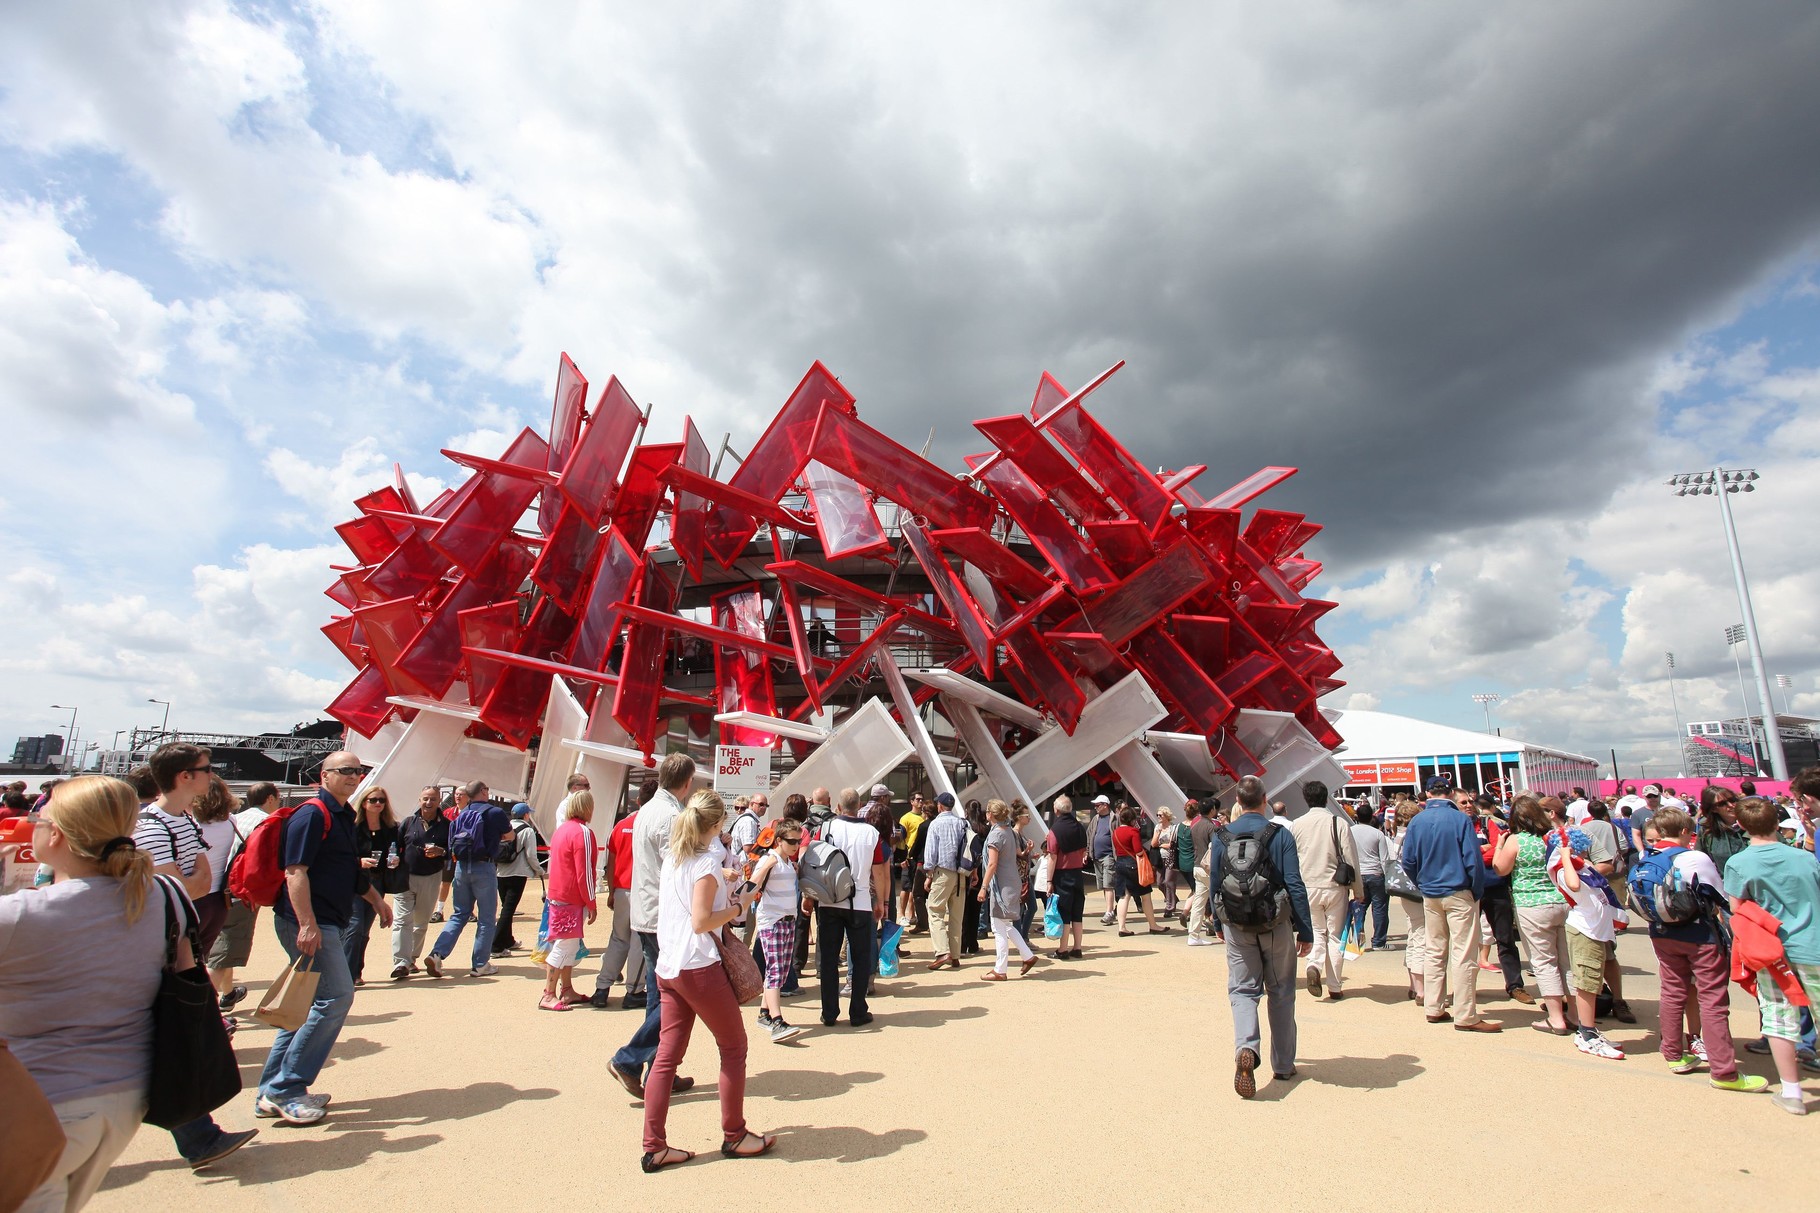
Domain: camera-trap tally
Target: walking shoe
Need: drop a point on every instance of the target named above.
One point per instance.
(1758, 1046)
(1699, 1047)
(634, 1002)
(1195, 941)
(1314, 982)
(1244, 1076)
(860, 1020)
(486, 970)
(629, 1079)
(230, 1000)
(433, 965)
(1683, 1065)
(1748, 1084)
(600, 1000)
(1483, 1025)
(400, 972)
(436, 916)
(846, 988)
(781, 1031)
(304, 1110)
(1793, 1106)
(225, 1144)
(1595, 1045)
(1620, 1011)
(764, 1019)
(1523, 996)
(1107, 920)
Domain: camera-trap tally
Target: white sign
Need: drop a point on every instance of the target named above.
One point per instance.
(741, 770)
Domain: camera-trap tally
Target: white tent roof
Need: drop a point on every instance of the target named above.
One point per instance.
(1375, 735)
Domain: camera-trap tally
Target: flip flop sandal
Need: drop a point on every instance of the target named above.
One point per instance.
(732, 1148)
(649, 1163)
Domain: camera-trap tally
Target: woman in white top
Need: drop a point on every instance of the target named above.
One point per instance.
(1415, 945)
(692, 906)
(774, 883)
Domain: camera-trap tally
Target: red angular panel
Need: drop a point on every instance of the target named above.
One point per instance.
(1101, 456)
(362, 703)
(1038, 459)
(689, 520)
(743, 676)
(593, 467)
(844, 518)
(853, 448)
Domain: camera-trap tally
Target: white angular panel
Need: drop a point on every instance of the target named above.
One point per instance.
(1108, 722)
(865, 747)
(422, 754)
(963, 687)
(915, 729)
(563, 719)
(1145, 778)
(996, 776)
(500, 767)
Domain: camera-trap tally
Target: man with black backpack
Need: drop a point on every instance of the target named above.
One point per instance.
(1256, 883)
(474, 842)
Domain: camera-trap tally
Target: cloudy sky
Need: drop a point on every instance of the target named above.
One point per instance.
(1486, 277)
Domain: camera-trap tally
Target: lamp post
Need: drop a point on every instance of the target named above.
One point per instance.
(166, 725)
(1485, 699)
(1724, 483)
(1680, 731)
(1786, 684)
(70, 747)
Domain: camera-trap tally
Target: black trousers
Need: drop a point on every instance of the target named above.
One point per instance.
(511, 889)
(1500, 911)
(858, 930)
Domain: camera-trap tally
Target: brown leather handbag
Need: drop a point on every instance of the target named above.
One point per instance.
(28, 1126)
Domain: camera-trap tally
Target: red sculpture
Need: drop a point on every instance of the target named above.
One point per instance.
(1050, 570)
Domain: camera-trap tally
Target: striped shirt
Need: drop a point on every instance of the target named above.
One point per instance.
(169, 840)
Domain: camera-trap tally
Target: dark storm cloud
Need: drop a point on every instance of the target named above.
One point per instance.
(1451, 248)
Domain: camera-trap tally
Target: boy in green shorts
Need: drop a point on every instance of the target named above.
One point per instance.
(1785, 881)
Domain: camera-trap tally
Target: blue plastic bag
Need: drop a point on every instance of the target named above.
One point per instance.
(1052, 918)
(889, 936)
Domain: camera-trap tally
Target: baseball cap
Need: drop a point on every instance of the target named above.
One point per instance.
(945, 799)
(1439, 783)
(521, 809)
(880, 792)
(1652, 790)
(1102, 800)
(1485, 800)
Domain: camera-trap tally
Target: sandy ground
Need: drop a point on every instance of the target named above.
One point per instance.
(1100, 1083)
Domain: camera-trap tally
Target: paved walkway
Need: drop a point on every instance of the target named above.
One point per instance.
(1103, 1083)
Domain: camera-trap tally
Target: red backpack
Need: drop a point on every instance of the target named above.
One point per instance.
(258, 872)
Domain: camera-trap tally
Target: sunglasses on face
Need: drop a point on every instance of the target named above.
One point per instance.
(377, 800)
(204, 769)
(336, 770)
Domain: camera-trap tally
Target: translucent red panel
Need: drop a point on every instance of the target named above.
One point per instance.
(370, 539)
(1090, 651)
(389, 627)
(415, 568)
(1102, 457)
(855, 449)
(1025, 445)
(688, 522)
(1170, 670)
(775, 461)
(1275, 534)
(1218, 532)
(743, 676)
(514, 706)
(993, 558)
(640, 687)
(1056, 691)
(1049, 393)
(1253, 486)
(965, 612)
(433, 657)
(340, 632)
(1150, 593)
(635, 508)
(1125, 544)
(565, 416)
(1070, 555)
(1205, 638)
(614, 580)
(600, 452)
(844, 518)
(489, 627)
(362, 703)
(565, 568)
(493, 505)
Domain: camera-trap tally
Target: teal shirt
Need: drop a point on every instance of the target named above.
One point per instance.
(1786, 882)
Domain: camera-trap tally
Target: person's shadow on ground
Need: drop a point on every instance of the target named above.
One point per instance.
(794, 1086)
(1359, 1073)
(840, 1143)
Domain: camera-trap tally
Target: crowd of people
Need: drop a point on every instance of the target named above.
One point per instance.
(692, 882)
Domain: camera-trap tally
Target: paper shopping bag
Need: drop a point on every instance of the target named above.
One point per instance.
(1350, 939)
(287, 1003)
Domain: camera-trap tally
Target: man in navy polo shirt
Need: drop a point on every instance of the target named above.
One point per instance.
(311, 915)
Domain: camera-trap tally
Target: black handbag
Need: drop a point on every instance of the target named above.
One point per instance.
(194, 1070)
(1343, 873)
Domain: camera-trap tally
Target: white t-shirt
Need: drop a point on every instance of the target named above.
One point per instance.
(679, 945)
(860, 842)
(1632, 802)
(1587, 910)
(220, 837)
(1579, 812)
(780, 899)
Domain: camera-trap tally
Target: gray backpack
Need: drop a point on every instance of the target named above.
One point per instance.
(825, 873)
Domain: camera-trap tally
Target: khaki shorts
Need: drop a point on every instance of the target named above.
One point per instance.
(1586, 962)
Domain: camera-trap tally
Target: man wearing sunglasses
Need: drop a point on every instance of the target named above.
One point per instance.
(312, 914)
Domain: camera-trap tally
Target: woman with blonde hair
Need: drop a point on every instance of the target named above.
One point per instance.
(570, 897)
(1540, 906)
(84, 1031)
(1004, 891)
(693, 904)
(1415, 945)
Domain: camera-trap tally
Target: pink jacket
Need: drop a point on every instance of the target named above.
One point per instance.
(572, 853)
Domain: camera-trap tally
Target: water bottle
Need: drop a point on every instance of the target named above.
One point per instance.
(391, 855)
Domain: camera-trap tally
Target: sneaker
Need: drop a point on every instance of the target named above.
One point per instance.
(486, 970)
(1793, 1106)
(304, 1110)
(225, 1144)
(400, 972)
(600, 1000)
(1595, 1045)
(229, 1001)
(1683, 1065)
(765, 1021)
(633, 1002)
(1244, 1077)
(781, 1031)
(1748, 1084)
(1195, 941)
(846, 988)
(1758, 1046)
(432, 965)
(436, 916)
(1108, 919)
(1314, 982)
(1698, 1048)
